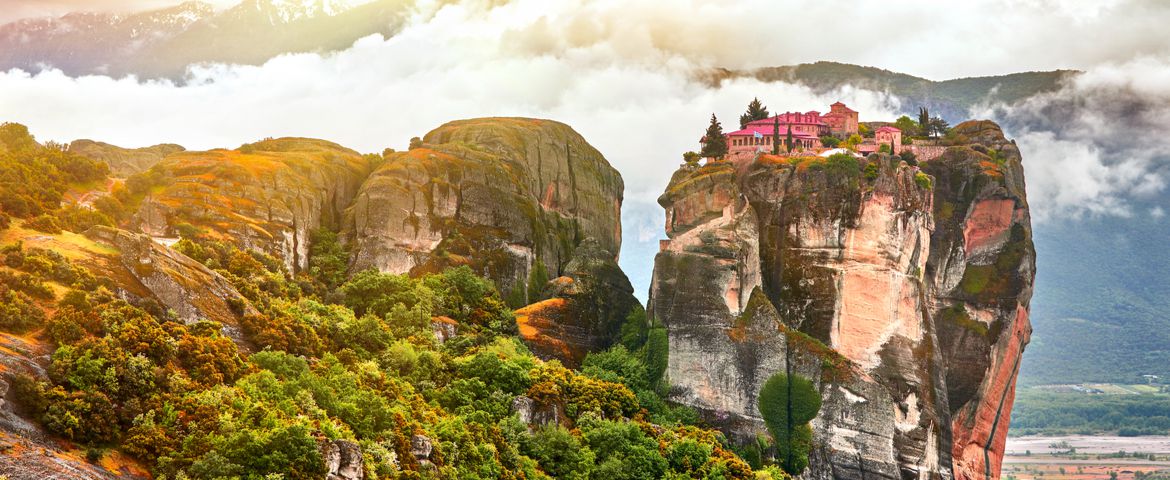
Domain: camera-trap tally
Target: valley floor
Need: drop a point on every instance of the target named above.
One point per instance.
(1095, 457)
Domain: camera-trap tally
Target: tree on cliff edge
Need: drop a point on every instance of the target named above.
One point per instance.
(755, 111)
(715, 144)
(924, 121)
(787, 404)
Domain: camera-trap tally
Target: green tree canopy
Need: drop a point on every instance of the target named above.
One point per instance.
(755, 111)
(907, 125)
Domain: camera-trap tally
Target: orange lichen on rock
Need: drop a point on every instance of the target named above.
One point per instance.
(989, 224)
(116, 461)
(540, 326)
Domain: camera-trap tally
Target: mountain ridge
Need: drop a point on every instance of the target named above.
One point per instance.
(951, 99)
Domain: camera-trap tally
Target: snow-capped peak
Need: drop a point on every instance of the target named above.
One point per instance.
(286, 11)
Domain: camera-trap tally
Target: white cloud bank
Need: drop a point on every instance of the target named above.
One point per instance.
(1099, 145)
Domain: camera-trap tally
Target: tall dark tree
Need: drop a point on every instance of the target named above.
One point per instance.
(715, 144)
(755, 111)
(923, 121)
(790, 145)
(775, 136)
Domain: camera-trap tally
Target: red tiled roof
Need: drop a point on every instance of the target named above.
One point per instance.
(843, 107)
(751, 131)
(888, 129)
(786, 118)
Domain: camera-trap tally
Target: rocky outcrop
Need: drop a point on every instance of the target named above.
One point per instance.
(343, 460)
(143, 268)
(124, 162)
(583, 310)
(506, 196)
(902, 294)
(267, 196)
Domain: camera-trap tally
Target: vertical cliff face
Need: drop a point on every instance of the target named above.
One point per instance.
(267, 196)
(904, 297)
(981, 268)
(507, 197)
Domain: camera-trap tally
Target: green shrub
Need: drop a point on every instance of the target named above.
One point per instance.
(872, 169)
(18, 312)
(634, 329)
(923, 181)
(909, 157)
(560, 453)
(44, 223)
(537, 278)
(657, 353)
(787, 404)
(328, 259)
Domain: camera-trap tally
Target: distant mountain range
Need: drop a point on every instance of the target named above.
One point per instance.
(163, 43)
(950, 99)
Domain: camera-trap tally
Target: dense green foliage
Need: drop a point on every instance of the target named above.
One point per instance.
(1045, 412)
(34, 178)
(788, 403)
(342, 358)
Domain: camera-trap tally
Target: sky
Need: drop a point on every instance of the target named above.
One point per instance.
(609, 68)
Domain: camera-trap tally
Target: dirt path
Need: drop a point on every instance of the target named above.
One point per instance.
(86, 199)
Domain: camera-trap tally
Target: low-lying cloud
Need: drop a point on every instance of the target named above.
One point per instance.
(1098, 145)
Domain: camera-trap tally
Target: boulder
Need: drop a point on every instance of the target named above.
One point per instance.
(343, 460)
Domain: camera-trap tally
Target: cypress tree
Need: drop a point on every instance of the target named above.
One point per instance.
(776, 136)
(923, 121)
(716, 144)
(789, 138)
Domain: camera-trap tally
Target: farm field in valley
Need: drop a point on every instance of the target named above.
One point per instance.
(1087, 457)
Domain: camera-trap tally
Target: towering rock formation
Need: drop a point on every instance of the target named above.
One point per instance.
(519, 200)
(903, 295)
(506, 196)
(267, 196)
